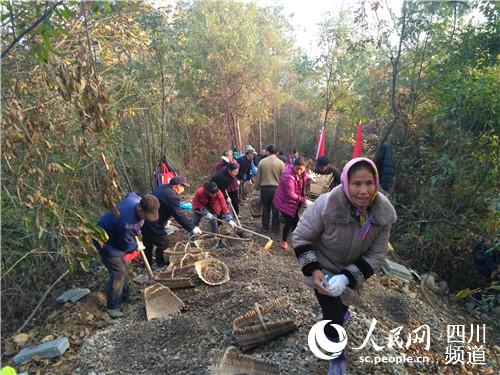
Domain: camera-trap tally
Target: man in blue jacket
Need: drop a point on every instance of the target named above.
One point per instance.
(245, 173)
(153, 231)
(122, 226)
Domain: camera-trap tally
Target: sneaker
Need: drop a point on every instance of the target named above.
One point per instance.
(338, 366)
(284, 245)
(115, 313)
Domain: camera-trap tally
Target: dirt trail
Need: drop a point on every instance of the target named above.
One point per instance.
(185, 344)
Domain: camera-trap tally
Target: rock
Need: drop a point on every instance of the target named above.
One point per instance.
(396, 270)
(141, 279)
(89, 317)
(21, 338)
(412, 295)
(73, 295)
(50, 349)
(47, 338)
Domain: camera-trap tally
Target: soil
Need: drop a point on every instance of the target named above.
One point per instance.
(186, 343)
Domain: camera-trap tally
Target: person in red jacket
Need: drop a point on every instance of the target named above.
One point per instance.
(209, 202)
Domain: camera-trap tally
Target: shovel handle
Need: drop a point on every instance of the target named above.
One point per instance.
(224, 236)
(146, 263)
(248, 230)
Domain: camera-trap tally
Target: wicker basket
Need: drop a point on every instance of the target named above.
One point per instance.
(232, 362)
(212, 271)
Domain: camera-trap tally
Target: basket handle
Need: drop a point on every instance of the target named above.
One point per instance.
(176, 244)
(261, 319)
(182, 260)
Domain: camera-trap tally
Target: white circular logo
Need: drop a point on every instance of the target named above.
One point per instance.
(317, 340)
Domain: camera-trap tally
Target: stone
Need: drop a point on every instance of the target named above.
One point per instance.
(21, 338)
(48, 338)
(73, 295)
(50, 349)
(141, 279)
(397, 270)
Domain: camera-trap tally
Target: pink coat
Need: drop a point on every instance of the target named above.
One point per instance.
(290, 192)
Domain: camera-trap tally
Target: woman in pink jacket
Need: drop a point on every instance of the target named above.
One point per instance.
(290, 196)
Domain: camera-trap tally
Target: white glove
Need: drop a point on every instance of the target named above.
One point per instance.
(140, 245)
(196, 230)
(239, 183)
(228, 199)
(209, 216)
(336, 284)
(308, 202)
(232, 223)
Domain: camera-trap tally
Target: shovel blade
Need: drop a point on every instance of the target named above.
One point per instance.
(160, 302)
(268, 245)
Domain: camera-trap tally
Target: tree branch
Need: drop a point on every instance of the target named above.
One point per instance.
(41, 300)
(35, 24)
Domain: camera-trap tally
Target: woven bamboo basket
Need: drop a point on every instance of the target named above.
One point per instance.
(212, 271)
(258, 334)
(232, 362)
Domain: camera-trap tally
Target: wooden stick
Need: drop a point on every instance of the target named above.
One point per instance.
(41, 301)
(146, 263)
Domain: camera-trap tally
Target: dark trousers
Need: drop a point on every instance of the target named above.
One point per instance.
(266, 197)
(333, 309)
(213, 223)
(161, 243)
(234, 200)
(116, 288)
(290, 224)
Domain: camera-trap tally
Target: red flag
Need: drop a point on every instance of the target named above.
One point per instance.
(321, 143)
(358, 143)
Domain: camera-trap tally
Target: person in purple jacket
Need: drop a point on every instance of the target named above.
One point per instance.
(290, 196)
(121, 229)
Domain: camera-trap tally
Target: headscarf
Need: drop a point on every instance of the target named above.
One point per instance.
(364, 220)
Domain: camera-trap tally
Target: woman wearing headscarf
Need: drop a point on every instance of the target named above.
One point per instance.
(344, 234)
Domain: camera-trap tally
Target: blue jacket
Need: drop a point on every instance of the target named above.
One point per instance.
(121, 230)
(245, 168)
(169, 206)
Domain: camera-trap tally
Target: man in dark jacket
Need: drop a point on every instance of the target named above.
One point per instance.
(224, 179)
(121, 229)
(245, 161)
(323, 167)
(153, 232)
(385, 165)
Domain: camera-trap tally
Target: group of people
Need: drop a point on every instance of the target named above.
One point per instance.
(344, 234)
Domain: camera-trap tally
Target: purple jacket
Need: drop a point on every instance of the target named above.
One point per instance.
(290, 192)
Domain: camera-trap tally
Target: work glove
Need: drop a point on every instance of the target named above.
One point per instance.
(196, 231)
(232, 223)
(140, 245)
(228, 199)
(336, 284)
(209, 216)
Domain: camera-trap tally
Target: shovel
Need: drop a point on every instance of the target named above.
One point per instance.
(159, 300)
(269, 242)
